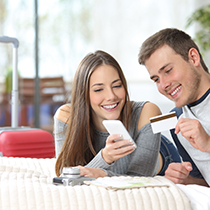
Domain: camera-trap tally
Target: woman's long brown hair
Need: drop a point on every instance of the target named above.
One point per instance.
(78, 145)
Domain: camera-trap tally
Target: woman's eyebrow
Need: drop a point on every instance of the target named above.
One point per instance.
(116, 80)
(97, 84)
(100, 84)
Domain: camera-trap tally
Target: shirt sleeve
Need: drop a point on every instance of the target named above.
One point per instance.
(144, 160)
(59, 135)
(99, 162)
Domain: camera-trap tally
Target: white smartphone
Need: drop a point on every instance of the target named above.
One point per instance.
(117, 127)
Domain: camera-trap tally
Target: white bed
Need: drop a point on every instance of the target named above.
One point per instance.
(26, 183)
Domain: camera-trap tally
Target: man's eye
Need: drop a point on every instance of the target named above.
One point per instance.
(155, 80)
(167, 71)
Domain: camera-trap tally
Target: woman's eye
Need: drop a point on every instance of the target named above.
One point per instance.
(117, 86)
(98, 90)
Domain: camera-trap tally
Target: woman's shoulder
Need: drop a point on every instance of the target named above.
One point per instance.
(148, 110)
(63, 112)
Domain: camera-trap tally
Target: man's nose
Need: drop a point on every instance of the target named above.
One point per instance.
(164, 83)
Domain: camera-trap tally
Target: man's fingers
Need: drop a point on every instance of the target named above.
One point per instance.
(178, 172)
(187, 165)
(177, 128)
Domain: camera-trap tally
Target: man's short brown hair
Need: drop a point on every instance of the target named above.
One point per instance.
(178, 40)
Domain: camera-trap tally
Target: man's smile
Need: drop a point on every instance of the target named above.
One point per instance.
(173, 93)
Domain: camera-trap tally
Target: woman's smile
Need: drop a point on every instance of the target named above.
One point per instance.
(110, 107)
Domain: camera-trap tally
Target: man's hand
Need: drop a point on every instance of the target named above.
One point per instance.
(178, 172)
(91, 172)
(194, 132)
(116, 148)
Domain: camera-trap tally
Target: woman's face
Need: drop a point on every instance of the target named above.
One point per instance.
(107, 95)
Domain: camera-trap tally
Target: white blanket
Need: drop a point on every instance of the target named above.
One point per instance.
(198, 195)
(26, 183)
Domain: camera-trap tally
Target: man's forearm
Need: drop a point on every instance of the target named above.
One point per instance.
(193, 180)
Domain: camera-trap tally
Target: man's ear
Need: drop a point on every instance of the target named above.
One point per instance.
(194, 57)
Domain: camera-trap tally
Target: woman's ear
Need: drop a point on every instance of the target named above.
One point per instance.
(194, 57)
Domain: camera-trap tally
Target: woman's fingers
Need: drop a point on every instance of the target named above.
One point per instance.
(116, 148)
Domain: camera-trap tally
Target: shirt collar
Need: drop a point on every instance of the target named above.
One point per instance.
(200, 99)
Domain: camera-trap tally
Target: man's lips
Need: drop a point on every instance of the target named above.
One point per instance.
(175, 91)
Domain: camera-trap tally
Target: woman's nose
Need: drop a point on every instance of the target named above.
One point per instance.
(110, 94)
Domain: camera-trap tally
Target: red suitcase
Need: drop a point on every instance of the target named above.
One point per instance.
(33, 143)
(23, 141)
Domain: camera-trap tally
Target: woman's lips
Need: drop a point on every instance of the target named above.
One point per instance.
(110, 107)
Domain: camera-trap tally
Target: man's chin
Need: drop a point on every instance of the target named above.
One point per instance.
(179, 105)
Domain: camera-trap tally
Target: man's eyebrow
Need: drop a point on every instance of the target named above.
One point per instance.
(159, 71)
(163, 67)
(153, 76)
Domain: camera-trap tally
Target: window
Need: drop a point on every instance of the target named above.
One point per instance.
(68, 30)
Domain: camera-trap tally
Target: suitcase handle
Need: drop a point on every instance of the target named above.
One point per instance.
(14, 98)
(7, 39)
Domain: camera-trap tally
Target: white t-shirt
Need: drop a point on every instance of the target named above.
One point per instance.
(199, 110)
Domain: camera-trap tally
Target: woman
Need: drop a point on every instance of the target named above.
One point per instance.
(99, 92)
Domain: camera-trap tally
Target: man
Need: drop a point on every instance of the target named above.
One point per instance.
(176, 66)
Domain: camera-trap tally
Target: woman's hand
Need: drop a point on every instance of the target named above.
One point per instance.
(116, 148)
(91, 172)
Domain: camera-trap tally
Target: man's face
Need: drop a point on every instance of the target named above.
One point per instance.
(175, 78)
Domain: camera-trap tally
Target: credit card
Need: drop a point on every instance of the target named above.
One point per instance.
(163, 122)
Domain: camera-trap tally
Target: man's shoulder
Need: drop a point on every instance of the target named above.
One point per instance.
(178, 111)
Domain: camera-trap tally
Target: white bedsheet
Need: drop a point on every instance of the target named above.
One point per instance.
(26, 184)
(199, 196)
